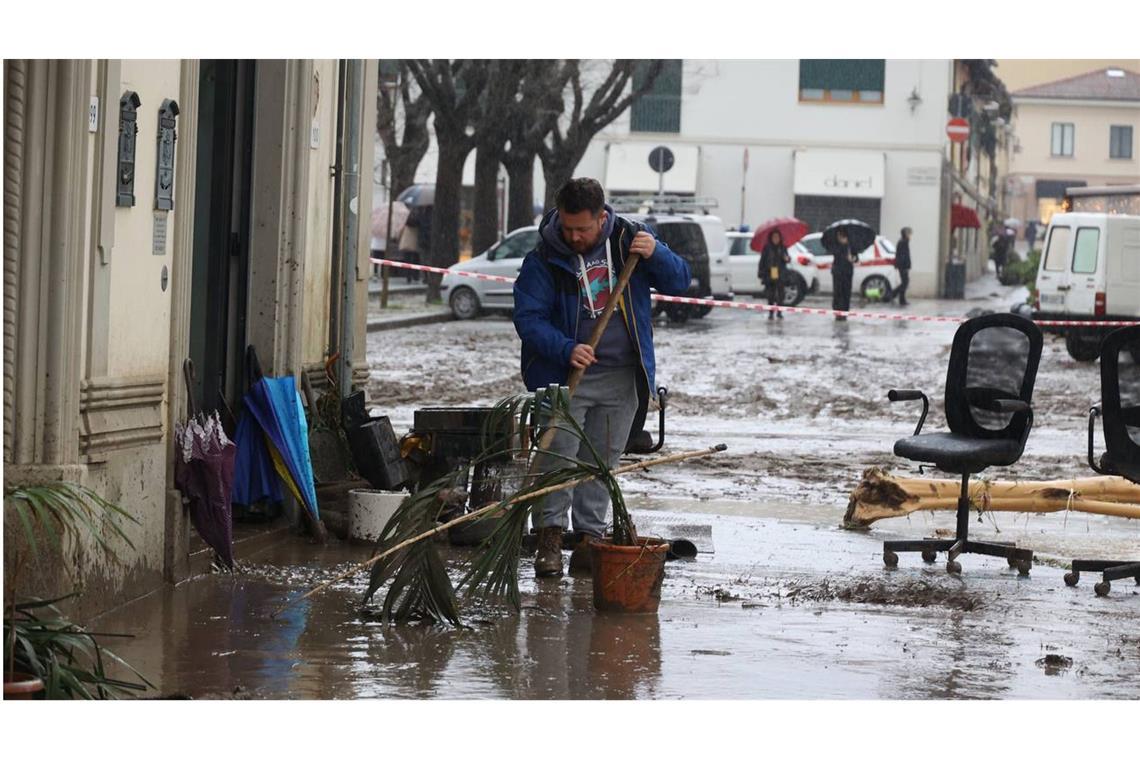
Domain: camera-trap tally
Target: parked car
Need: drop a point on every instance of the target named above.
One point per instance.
(1089, 270)
(469, 297)
(744, 269)
(874, 274)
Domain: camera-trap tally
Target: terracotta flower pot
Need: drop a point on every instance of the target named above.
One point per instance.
(21, 686)
(628, 578)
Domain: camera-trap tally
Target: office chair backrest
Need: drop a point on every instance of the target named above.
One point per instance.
(994, 356)
(1120, 394)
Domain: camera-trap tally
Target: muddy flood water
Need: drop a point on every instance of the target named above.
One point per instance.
(782, 609)
(787, 605)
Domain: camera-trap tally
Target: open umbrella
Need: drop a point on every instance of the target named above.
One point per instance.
(418, 195)
(204, 473)
(400, 213)
(859, 234)
(790, 228)
(275, 406)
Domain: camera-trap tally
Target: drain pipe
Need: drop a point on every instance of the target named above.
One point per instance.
(350, 95)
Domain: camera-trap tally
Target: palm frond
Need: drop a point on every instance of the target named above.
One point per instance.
(420, 587)
(494, 570)
(69, 659)
(67, 509)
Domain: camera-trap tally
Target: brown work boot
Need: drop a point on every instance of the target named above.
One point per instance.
(548, 563)
(580, 555)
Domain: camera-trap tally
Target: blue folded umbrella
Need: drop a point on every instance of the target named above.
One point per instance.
(255, 479)
(275, 405)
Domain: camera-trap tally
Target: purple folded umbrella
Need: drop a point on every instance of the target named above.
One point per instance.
(204, 473)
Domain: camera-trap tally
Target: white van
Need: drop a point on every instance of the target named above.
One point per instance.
(716, 238)
(1089, 270)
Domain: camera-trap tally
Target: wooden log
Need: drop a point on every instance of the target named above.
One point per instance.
(879, 496)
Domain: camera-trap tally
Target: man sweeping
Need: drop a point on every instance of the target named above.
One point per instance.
(561, 291)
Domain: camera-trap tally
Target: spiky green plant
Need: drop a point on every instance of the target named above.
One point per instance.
(66, 510)
(68, 659)
(421, 587)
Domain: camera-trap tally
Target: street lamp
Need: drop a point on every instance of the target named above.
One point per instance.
(915, 100)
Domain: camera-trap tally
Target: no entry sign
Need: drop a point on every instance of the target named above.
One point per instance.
(958, 130)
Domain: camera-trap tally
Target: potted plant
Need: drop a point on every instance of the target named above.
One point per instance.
(45, 654)
(628, 569)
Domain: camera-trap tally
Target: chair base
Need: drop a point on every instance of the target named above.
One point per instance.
(1111, 570)
(1022, 559)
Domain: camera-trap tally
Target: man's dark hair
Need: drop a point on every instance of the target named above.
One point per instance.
(581, 194)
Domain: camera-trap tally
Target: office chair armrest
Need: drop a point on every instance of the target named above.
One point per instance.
(1010, 405)
(912, 395)
(1094, 412)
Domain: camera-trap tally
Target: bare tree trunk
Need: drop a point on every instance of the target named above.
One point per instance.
(520, 194)
(444, 249)
(557, 173)
(485, 225)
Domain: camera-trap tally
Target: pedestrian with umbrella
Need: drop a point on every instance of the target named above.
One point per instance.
(204, 473)
(844, 240)
(774, 260)
(772, 240)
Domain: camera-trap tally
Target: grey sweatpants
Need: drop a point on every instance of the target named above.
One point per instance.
(604, 405)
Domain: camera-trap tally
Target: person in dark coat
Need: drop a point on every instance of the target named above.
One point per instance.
(902, 263)
(842, 270)
(774, 260)
(1000, 244)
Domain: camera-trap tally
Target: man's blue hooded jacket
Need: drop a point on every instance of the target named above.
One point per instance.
(548, 300)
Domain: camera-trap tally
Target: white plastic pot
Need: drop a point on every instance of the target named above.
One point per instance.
(369, 511)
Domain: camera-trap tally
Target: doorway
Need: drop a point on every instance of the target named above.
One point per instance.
(220, 280)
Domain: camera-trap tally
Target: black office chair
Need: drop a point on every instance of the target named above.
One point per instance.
(1120, 409)
(989, 386)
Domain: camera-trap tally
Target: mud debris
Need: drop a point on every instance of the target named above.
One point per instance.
(916, 594)
(1055, 664)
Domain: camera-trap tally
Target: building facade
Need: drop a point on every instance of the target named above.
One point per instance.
(156, 211)
(1077, 131)
(821, 140)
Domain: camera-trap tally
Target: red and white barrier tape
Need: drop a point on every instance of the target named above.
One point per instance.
(885, 316)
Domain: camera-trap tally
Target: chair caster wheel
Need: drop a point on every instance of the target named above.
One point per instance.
(1102, 588)
(1071, 579)
(1023, 567)
(953, 567)
(890, 559)
(929, 557)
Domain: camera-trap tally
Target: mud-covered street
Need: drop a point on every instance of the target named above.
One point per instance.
(787, 604)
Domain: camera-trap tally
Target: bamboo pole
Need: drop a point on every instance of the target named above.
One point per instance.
(879, 496)
(541, 445)
(576, 374)
(643, 465)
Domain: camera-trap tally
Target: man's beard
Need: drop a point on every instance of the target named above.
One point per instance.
(587, 247)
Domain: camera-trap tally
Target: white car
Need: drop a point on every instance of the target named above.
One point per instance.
(744, 269)
(875, 272)
(468, 296)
